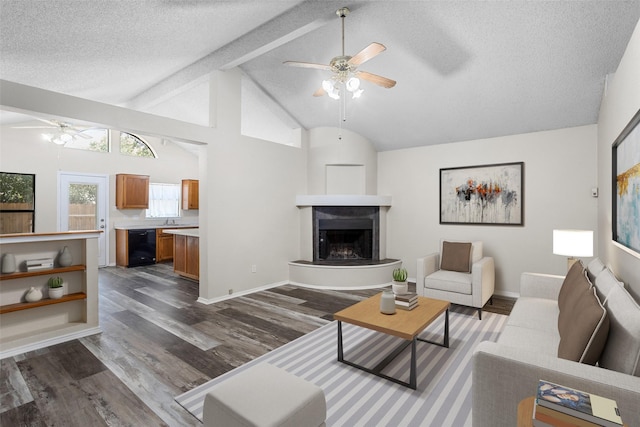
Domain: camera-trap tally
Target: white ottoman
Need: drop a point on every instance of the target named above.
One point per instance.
(265, 395)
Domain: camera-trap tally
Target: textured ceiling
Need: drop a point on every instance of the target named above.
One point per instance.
(465, 69)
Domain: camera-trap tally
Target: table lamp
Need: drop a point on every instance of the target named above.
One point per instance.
(572, 244)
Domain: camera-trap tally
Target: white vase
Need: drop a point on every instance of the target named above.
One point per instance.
(33, 295)
(64, 259)
(387, 302)
(55, 293)
(8, 263)
(400, 288)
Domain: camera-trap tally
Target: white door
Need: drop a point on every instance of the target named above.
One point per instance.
(82, 205)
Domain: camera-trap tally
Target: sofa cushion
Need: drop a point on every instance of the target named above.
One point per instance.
(594, 268)
(535, 313)
(622, 352)
(605, 283)
(583, 337)
(456, 256)
(451, 281)
(534, 341)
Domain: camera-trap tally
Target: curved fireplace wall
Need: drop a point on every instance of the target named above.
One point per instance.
(346, 234)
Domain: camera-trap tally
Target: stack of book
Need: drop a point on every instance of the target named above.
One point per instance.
(561, 406)
(407, 301)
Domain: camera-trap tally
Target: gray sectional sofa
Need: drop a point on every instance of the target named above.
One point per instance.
(507, 371)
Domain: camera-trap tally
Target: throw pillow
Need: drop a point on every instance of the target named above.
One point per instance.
(456, 256)
(583, 338)
(571, 284)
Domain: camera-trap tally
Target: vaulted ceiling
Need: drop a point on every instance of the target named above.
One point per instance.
(464, 69)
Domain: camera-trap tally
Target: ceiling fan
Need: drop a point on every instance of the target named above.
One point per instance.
(345, 68)
(65, 132)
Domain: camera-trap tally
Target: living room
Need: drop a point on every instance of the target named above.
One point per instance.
(242, 176)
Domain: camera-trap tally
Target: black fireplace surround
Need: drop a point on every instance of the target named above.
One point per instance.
(346, 234)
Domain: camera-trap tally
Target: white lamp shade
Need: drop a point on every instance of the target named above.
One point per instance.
(573, 243)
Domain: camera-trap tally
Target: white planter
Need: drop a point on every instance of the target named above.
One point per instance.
(400, 288)
(55, 293)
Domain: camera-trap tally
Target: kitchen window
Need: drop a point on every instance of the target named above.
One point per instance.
(164, 200)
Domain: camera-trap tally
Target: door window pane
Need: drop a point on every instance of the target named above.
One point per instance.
(82, 206)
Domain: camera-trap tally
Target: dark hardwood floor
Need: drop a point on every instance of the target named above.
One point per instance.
(158, 342)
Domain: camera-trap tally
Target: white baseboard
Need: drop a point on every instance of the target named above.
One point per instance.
(241, 293)
(49, 342)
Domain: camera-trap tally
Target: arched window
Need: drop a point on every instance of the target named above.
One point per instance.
(131, 145)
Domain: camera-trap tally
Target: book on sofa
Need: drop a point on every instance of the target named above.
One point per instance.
(578, 404)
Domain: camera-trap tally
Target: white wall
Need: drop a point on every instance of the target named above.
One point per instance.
(559, 168)
(325, 148)
(620, 103)
(25, 151)
(248, 214)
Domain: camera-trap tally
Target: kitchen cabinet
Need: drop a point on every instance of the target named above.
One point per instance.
(135, 247)
(132, 191)
(27, 326)
(186, 256)
(164, 246)
(190, 198)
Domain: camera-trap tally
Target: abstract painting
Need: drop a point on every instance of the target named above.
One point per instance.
(626, 186)
(488, 194)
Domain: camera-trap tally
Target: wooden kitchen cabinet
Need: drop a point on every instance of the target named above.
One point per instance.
(132, 191)
(164, 246)
(190, 198)
(186, 256)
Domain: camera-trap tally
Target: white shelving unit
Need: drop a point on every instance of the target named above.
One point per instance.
(27, 326)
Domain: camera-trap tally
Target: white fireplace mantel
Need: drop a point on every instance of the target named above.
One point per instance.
(342, 200)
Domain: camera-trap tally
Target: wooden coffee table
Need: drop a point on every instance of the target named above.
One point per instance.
(403, 324)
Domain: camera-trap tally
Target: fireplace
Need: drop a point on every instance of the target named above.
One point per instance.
(346, 234)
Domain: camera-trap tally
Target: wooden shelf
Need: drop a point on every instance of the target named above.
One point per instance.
(45, 301)
(49, 271)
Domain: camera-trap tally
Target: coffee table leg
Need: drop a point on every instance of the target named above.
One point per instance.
(446, 329)
(340, 352)
(445, 341)
(412, 374)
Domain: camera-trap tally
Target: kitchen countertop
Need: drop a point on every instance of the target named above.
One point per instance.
(191, 232)
(152, 226)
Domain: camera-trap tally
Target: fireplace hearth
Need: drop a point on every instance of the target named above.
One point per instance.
(345, 235)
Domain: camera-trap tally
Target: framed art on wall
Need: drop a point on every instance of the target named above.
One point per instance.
(486, 194)
(625, 222)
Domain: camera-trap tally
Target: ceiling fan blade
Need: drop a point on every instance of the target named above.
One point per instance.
(34, 127)
(319, 92)
(374, 78)
(307, 65)
(367, 53)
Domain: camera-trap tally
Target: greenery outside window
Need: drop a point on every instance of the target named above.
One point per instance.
(92, 140)
(164, 201)
(132, 145)
(17, 202)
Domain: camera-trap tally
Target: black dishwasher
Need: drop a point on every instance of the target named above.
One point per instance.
(142, 247)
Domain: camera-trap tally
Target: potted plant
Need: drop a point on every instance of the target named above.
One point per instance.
(56, 287)
(400, 285)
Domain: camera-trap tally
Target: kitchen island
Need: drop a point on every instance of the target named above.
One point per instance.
(186, 252)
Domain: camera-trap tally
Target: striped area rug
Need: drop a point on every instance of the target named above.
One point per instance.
(356, 398)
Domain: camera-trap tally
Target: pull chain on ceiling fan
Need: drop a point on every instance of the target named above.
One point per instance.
(345, 69)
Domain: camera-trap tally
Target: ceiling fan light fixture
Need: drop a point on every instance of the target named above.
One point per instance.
(353, 84)
(357, 93)
(327, 85)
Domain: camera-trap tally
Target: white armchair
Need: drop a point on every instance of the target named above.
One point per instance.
(472, 289)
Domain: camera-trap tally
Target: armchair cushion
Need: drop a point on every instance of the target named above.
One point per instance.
(456, 256)
(450, 281)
